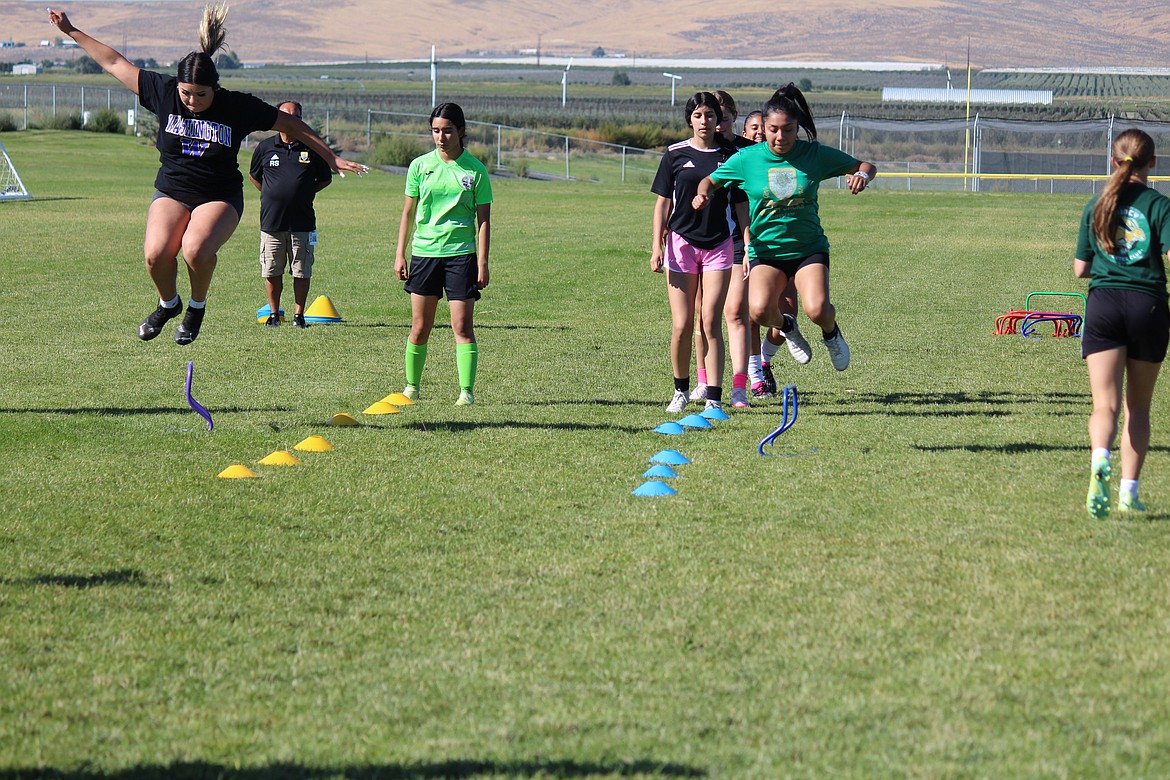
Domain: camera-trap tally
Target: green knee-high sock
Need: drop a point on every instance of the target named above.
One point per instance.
(467, 361)
(416, 358)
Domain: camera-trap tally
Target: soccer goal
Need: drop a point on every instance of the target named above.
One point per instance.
(11, 187)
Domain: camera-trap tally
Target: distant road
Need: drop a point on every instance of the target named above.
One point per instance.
(676, 64)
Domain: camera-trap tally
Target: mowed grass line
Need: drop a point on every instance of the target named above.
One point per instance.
(475, 593)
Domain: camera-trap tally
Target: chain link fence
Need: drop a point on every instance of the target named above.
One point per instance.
(979, 155)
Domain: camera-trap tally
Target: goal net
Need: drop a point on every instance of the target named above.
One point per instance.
(10, 184)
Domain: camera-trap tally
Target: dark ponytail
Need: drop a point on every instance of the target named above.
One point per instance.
(790, 100)
(1132, 150)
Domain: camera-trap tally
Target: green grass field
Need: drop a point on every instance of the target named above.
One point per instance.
(474, 592)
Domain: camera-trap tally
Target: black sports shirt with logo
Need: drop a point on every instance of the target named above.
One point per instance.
(198, 152)
(679, 173)
(289, 175)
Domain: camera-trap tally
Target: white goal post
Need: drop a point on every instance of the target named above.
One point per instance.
(11, 187)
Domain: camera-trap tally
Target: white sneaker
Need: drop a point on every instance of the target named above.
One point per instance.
(838, 351)
(712, 405)
(699, 393)
(411, 392)
(797, 344)
(677, 403)
(739, 398)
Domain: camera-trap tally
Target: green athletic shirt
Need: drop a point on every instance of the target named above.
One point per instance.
(1143, 237)
(782, 195)
(448, 194)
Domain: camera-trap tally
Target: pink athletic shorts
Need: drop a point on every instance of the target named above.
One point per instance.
(684, 257)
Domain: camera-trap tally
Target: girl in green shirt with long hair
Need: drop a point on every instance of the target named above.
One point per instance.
(781, 178)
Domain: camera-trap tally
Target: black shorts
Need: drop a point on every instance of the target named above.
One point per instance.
(458, 276)
(235, 201)
(737, 247)
(1137, 321)
(790, 267)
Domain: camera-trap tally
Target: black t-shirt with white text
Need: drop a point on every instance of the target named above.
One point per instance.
(679, 173)
(288, 175)
(198, 152)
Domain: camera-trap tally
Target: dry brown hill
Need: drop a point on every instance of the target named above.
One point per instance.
(1030, 32)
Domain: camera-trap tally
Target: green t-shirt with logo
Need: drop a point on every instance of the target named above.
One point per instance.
(448, 194)
(782, 195)
(1143, 237)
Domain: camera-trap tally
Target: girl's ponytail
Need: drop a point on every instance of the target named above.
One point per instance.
(212, 32)
(790, 100)
(198, 67)
(1133, 149)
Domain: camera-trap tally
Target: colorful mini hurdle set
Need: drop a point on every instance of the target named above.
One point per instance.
(1024, 321)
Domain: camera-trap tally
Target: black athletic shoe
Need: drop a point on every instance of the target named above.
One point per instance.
(152, 325)
(299, 321)
(188, 329)
(769, 379)
(273, 321)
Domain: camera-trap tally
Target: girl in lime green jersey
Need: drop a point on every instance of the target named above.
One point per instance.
(448, 211)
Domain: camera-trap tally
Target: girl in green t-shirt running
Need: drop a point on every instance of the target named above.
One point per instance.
(448, 209)
(781, 178)
(1124, 237)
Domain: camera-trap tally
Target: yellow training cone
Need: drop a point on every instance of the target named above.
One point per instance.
(314, 444)
(237, 471)
(281, 458)
(343, 420)
(380, 407)
(397, 399)
(322, 310)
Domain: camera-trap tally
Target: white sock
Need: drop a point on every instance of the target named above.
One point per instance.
(172, 303)
(194, 304)
(768, 350)
(1130, 487)
(1099, 453)
(755, 373)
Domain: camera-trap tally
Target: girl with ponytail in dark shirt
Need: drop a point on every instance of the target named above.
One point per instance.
(199, 191)
(1124, 237)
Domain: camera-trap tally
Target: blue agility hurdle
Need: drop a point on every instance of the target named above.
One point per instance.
(788, 419)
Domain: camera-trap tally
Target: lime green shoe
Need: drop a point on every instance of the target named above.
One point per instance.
(465, 398)
(1128, 503)
(1098, 500)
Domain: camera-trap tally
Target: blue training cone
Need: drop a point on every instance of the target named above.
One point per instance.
(669, 428)
(661, 471)
(695, 421)
(654, 488)
(671, 458)
(715, 413)
(264, 311)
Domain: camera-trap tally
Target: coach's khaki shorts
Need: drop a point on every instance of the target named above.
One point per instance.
(296, 248)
